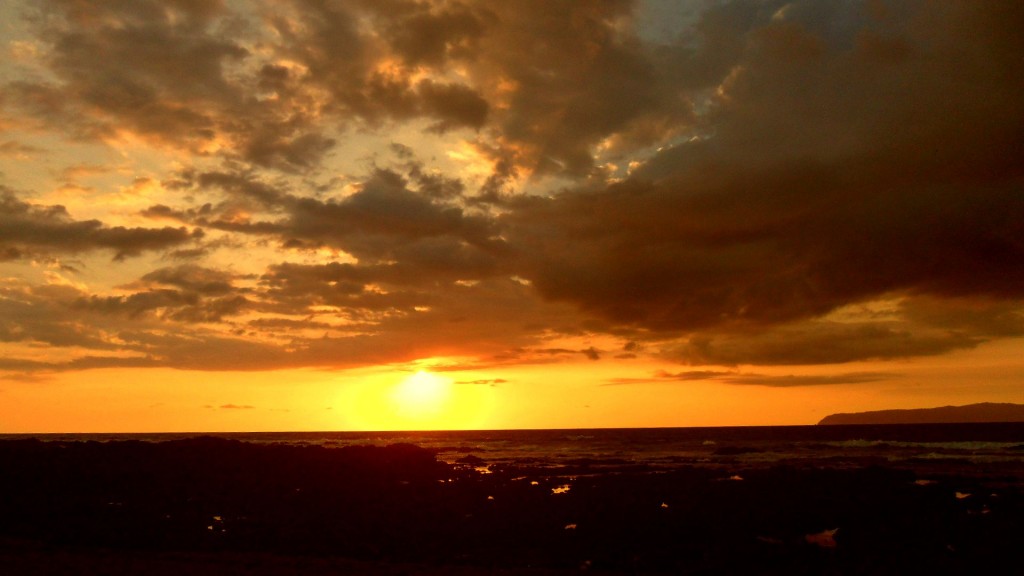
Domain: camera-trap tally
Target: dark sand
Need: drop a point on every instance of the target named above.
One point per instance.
(214, 506)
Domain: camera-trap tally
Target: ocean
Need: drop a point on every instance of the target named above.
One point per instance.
(660, 448)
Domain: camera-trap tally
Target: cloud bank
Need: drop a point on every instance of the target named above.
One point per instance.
(771, 183)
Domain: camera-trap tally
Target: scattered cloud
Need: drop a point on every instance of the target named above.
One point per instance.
(30, 229)
(790, 380)
(665, 376)
(752, 379)
(483, 382)
(692, 374)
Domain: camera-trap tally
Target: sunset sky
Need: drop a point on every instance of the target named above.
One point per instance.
(396, 214)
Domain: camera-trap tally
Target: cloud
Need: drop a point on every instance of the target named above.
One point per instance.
(820, 342)
(483, 382)
(260, 84)
(37, 315)
(29, 228)
(414, 219)
(117, 70)
(26, 367)
(582, 80)
(749, 379)
(18, 150)
(424, 35)
(191, 277)
(990, 317)
(192, 317)
(714, 197)
(454, 105)
(830, 173)
(369, 222)
(692, 374)
(590, 353)
(183, 306)
(186, 293)
(119, 63)
(663, 376)
(789, 381)
(264, 82)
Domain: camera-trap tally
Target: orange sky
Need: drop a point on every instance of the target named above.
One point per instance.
(389, 215)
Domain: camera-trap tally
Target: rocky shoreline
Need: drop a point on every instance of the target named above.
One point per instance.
(229, 507)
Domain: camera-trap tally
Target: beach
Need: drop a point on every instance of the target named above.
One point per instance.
(225, 506)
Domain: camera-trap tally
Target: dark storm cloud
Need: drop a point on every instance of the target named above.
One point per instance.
(821, 343)
(850, 155)
(424, 36)
(454, 105)
(29, 228)
(344, 60)
(567, 78)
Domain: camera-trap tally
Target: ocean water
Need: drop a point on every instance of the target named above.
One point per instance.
(915, 445)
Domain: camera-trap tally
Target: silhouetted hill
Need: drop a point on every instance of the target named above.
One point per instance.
(984, 412)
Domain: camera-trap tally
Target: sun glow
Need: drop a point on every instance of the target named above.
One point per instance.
(422, 395)
(420, 401)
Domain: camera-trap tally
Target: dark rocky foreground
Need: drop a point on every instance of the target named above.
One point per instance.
(214, 506)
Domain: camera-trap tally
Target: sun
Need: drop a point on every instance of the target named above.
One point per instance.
(422, 395)
(419, 401)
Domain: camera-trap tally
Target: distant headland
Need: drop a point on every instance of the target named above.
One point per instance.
(983, 412)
